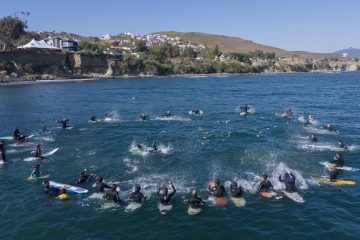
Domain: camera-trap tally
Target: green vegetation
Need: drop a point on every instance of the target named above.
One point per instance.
(11, 30)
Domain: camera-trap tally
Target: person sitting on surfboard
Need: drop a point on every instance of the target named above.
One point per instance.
(195, 201)
(164, 196)
(144, 116)
(93, 118)
(236, 190)
(113, 195)
(330, 128)
(168, 114)
(36, 171)
(342, 144)
(84, 177)
(265, 185)
(100, 185)
(109, 115)
(338, 159)
(333, 173)
(38, 152)
(64, 122)
(16, 134)
(245, 108)
(48, 189)
(195, 111)
(137, 196)
(289, 180)
(313, 137)
(216, 189)
(3, 150)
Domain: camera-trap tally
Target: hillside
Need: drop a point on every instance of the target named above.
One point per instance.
(352, 52)
(235, 44)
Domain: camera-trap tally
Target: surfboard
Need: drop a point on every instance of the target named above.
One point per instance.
(295, 196)
(238, 202)
(69, 188)
(108, 205)
(40, 177)
(2, 162)
(69, 128)
(193, 211)
(221, 201)
(9, 138)
(63, 196)
(345, 168)
(132, 207)
(338, 182)
(243, 113)
(29, 159)
(164, 208)
(268, 194)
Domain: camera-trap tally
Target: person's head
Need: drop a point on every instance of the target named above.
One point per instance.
(217, 182)
(113, 187)
(340, 142)
(39, 145)
(100, 178)
(46, 183)
(194, 193)
(139, 146)
(137, 188)
(338, 154)
(82, 173)
(265, 177)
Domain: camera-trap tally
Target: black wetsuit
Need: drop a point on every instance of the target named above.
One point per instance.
(51, 191)
(333, 176)
(313, 138)
(265, 186)
(112, 196)
(218, 191)
(195, 202)
(137, 197)
(343, 145)
(38, 153)
(3, 152)
(16, 134)
(100, 186)
(93, 118)
(245, 108)
(83, 178)
(65, 123)
(339, 161)
(236, 191)
(166, 198)
(289, 181)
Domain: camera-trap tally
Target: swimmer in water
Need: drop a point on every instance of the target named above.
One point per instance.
(342, 144)
(163, 194)
(113, 195)
(64, 123)
(235, 190)
(100, 185)
(137, 196)
(265, 185)
(313, 137)
(144, 116)
(195, 201)
(216, 189)
(289, 180)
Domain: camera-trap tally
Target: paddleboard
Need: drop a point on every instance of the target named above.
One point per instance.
(40, 177)
(69, 188)
(221, 201)
(90, 121)
(338, 182)
(132, 207)
(164, 208)
(193, 211)
(345, 168)
(238, 202)
(9, 138)
(29, 159)
(294, 196)
(268, 194)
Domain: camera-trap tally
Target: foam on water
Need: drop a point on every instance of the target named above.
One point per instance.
(173, 118)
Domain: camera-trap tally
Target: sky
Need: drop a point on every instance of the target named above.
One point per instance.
(308, 25)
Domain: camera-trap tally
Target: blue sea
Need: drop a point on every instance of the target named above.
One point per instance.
(193, 150)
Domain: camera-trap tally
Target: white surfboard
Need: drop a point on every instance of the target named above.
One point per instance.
(243, 113)
(295, 196)
(132, 207)
(40, 177)
(193, 211)
(345, 168)
(238, 202)
(164, 208)
(69, 188)
(9, 138)
(29, 159)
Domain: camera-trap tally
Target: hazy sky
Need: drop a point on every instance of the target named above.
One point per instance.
(311, 25)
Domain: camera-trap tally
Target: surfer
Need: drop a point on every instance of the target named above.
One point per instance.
(48, 189)
(100, 185)
(195, 201)
(289, 113)
(168, 114)
(216, 189)
(289, 180)
(93, 118)
(265, 185)
(236, 190)
(338, 159)
(16, 134)
(195, 111)
(245, 108)
(163, 194)
(137, 196)
(38, 152)
(333, 173)
(313, 137)
(310, 120)
(113, 195)
(64, 122)
(109, 115)
(36, 171)
(144, 116)
(83, 177)
(342, 144)
(3, 150)
(330, 128)
(154, 148)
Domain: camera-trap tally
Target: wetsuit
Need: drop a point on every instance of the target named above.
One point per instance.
(166, 197)
(339, 161)
(196, 111)
(83, 178)
(289, 181)
(265, 186)
(195, 202)
(245, 108)
(16, 134)
(38, 153)
(314, 138)
(100, 186)
(137, 197)
(236, 191)
(93, 118)
(218, 191)
(51, 191)
(3, 152)
(343, 145)
(144, 116)
(333, 176)
(112, 196)
(35, 173)
(65, 123)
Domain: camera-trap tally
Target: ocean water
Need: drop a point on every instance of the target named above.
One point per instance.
(193, 151)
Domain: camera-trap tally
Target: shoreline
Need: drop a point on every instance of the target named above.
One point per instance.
(57, 79)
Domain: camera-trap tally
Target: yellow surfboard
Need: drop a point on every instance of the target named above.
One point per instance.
(338, 182)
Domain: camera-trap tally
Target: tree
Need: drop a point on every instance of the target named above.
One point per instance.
(11, 29)
(141, 46)
(188, 52)
(216, 51)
